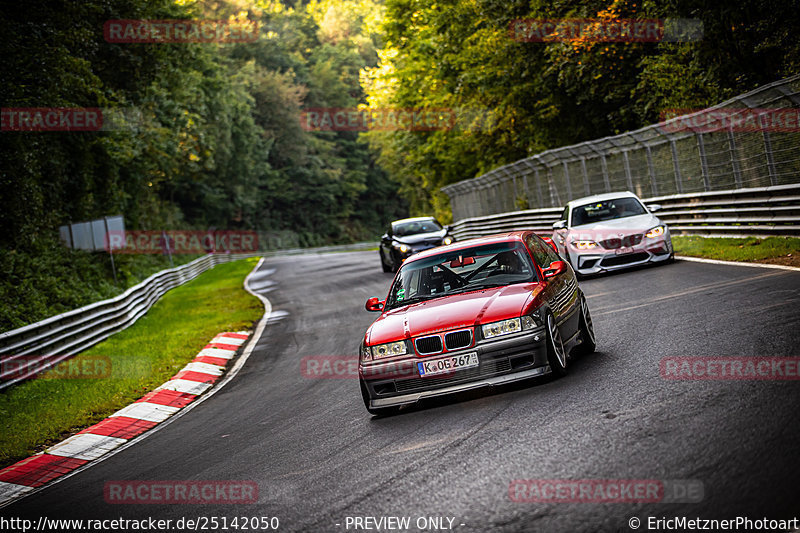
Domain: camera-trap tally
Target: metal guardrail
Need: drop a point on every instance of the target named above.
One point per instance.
(753, 212)
(688, 154)
(358, 246)
(32, 349)
(29, 350)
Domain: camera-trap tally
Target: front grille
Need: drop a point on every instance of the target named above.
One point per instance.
(619, 242)
(428, 345)
(624, 259)
(458, 339)
(486, 369)
(426, 244)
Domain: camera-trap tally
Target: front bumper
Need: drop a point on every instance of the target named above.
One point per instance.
(600, 260)
(521, 356)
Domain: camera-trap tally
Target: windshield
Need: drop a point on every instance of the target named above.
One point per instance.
(606, 210)
(414, 227)
(459, 271)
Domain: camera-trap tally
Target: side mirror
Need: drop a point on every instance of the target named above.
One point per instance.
(654, 207)
(561, 224)
(373, 304)
(555, 268)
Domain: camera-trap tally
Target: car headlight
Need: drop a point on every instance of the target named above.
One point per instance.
(658, 231)
(447, 240)
(584, 245)
(531, 321)
(402, 247)
(388, 350)
(366, 354)
(504, 327)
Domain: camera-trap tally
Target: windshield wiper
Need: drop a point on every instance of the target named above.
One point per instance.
(487, 285)
(478, 286)
(415, 299)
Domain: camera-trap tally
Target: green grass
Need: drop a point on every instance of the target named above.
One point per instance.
(730, 249)
(40, 412)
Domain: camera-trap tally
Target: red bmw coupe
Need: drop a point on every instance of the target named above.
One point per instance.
(477, 313)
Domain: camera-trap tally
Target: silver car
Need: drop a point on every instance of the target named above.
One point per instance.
(611, 231)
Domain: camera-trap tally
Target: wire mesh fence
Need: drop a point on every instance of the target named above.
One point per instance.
(752, 140)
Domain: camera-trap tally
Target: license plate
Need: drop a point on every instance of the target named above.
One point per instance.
(620, 251)
(447, 365)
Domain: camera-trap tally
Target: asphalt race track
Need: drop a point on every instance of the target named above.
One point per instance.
(318, 457)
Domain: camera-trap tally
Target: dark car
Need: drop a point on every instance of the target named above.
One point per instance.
(409, 236)
(478, 313)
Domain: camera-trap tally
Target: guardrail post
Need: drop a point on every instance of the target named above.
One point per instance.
(514, 182)
(737, 171)
(498, 196)
(701, 146)
(111, 251)
(628, 176)
(525, 188)
(555, 199)
(651, 170)
(566, 175)
(676, 166)
(604, 166)
(585, 177)
(538, 186)
(539, 197)
(773, 174)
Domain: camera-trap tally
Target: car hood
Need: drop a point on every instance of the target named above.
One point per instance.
(421, 237)
(626, 225)
(452, 312)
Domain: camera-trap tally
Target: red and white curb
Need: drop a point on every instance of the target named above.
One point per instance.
(146, 413)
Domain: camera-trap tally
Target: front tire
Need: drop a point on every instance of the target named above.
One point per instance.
(384, 266)
(588, 343)
(556, 355)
